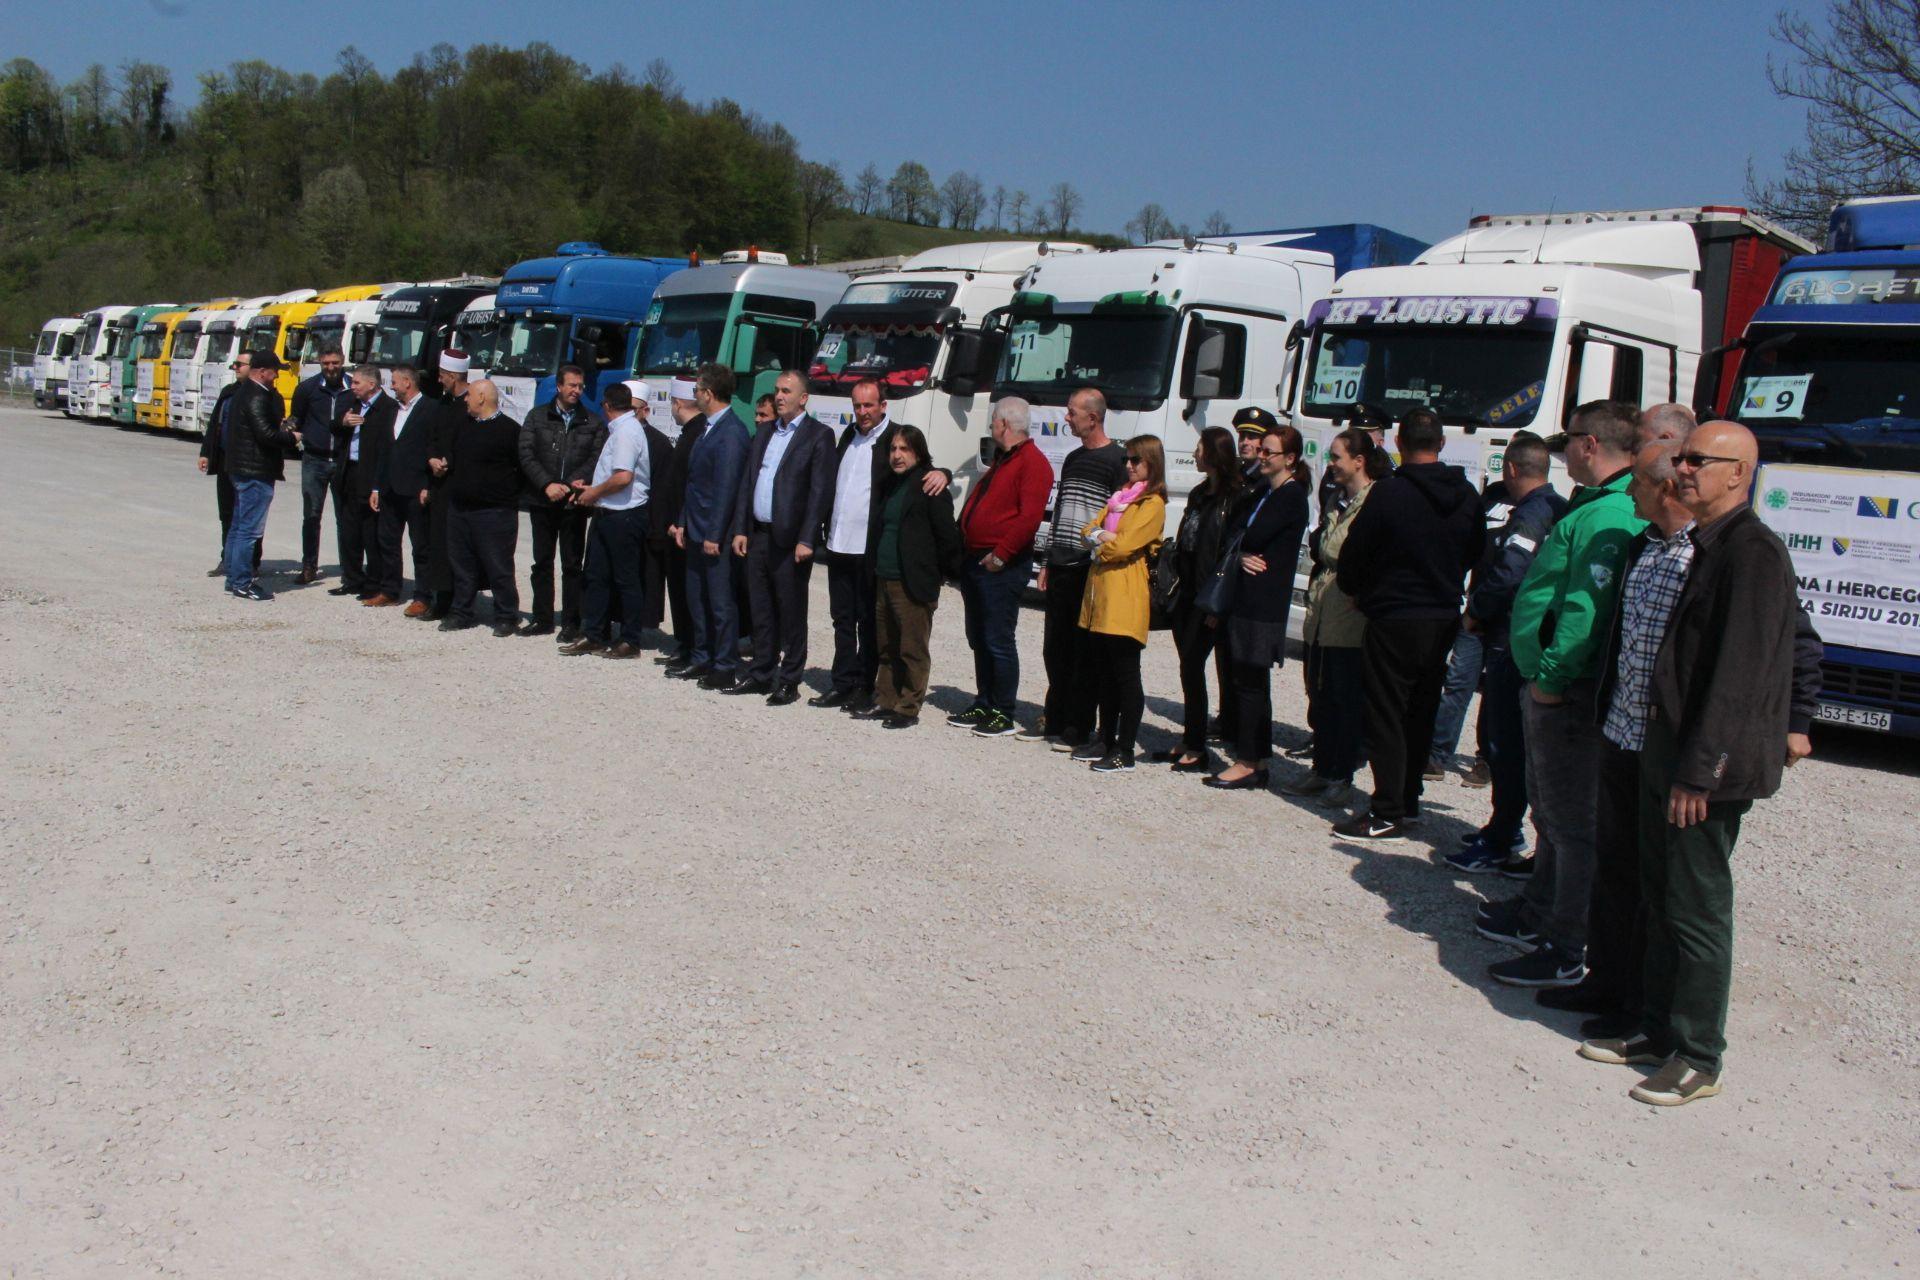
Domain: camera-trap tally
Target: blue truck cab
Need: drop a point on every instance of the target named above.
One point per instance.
(582, 306)
(1829, 381)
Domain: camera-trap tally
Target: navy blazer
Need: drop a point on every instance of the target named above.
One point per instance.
(802, 487)
(403, 463)
(715, 464)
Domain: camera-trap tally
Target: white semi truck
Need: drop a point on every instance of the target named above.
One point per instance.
(53, 361)
(90, 387)
(1523, 316)
(922, 331)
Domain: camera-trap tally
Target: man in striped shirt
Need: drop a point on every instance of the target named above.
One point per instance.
(1089, 476)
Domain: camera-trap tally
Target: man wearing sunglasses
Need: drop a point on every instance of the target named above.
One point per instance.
(1557, 629)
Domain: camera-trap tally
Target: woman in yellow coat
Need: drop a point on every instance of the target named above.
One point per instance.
(1118, 604)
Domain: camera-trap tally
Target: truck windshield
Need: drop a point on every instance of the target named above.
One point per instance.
(89, 342)
(683, 333)
(263, 333)
(185, 337)
(67, 341)
(1467, 376)
(1842, 395)
(152, 343)
(481, 341)
(399, 341)
(321, 335)
(529, 346)
(219, 346)
(45, 347)
(901, 358)
(1129, 357)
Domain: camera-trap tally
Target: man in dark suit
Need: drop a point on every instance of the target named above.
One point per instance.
(405, 485)
(716, 464)
(782, 502)
(669, 497)
(861, 470)
(213, 456)
(356, 460)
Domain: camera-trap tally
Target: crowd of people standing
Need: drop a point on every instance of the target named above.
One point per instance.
(1644, 670)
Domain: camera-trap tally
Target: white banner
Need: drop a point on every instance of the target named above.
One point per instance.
(1855, 541)
(143, 383)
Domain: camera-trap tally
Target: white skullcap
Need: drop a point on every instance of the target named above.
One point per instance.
(642, 393)
(453, 360)
(681, 389)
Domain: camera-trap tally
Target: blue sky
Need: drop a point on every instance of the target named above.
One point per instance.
(1414, 116)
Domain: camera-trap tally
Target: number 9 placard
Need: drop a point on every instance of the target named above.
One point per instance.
(1778, 397)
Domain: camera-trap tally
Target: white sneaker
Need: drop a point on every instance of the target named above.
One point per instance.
(1675, 1084)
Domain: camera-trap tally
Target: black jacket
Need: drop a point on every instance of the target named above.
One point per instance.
(882, 474)
(376, 441)
(1202, 532)
(1407, 555)
(1274, 529)
(802, 487)
(255, 436)
(404, 467)
(1739, 666)
(1514, 534)
(929, 538)
(317, 410)
(670, 485)
(483, 465)
(211, 447)
(552, 454)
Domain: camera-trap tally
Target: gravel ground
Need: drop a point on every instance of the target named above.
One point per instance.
(335, 946)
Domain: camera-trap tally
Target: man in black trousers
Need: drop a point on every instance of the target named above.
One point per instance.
(1405, 562)
(483, 515)
(851, 534)
(404, 482)
(213, 458)
(783, 500)
(559, 443)
(356, 462)
(669, 500)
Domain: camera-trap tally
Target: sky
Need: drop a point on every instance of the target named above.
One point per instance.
(1414, 116)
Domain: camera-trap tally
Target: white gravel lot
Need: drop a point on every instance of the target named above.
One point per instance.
(335, 946)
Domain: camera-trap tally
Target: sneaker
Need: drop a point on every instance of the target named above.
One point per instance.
(1059, 743)
(1306, 786)
(254, 593)
(1518, 867)
(1475, 860)
(1089, 751)
(1338, 795)
(1118, 762)
(1675, 1084)
(1365, 826)
(1544, 966)
(1626, 1051)
(1478, 776)
(970, 717)
(1503, 922)
(996, 725)
(1037, 733)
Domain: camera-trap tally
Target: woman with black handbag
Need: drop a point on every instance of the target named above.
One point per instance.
(1268, 550)
(1197, 548)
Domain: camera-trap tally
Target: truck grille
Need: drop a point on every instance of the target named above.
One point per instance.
(1873, 686)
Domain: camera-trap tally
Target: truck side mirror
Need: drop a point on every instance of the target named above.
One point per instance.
(359, 343)
(964, 349)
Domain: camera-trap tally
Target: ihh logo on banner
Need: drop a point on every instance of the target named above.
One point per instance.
(1805, 542)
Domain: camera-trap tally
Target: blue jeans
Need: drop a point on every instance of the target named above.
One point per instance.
(1463, 677)
(716, 623)
(992, 602)
(1506, 735)
(251, 498)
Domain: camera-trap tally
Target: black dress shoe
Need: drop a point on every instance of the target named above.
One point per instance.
(537, 629)
(1255, 781)
(751, 686)
(895, 720)
(502, 630)
(783, 695)
(584, 645)
(688, 673)
(873, 711)
(218, 571)
(718, 680)
(831, 698)
(678, 658)
(622, 650)
(858, 703)
(332, 591)
(568, 635)
(455, 624)
(1202, 765)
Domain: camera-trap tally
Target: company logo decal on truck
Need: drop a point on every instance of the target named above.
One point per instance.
(1485, 312)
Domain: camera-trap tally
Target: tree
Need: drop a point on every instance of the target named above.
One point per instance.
(32, 123)
(1017, 206)
(999, 203)
(911, 195)
(659, 77)
(1063, 206)
(1216, 224)
(1151, 223)
(962, 196)
(333, 214)
(1860, 79)
(821, 192)
(143, 105)
(90, 110)
(868, 187)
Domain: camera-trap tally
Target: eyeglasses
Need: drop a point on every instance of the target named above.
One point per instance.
(1695, 461)
(1273, 453)
(1136, 462)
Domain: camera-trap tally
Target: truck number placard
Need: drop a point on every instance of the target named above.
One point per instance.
(1338, 383)
(1778, 397)
(1854, 537)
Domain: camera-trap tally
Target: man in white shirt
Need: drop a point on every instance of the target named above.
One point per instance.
(403, 481)
(851, 522)
(616, 541)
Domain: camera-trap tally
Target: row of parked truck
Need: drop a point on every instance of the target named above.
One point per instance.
(1505, 326)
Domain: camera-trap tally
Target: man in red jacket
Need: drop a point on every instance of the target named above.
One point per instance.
(1002, 514)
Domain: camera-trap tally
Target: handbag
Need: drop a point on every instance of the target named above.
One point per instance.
(1222, 587)
(1163, 581)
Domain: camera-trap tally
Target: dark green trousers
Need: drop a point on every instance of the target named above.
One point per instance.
(1686, 878)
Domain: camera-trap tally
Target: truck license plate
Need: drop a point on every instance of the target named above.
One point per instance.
(1855, 717)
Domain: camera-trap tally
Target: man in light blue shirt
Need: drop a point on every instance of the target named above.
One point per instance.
(616, 541)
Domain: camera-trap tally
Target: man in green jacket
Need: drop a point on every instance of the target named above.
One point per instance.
(1558, 634)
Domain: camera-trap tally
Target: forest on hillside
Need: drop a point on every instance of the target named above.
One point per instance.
(115, 188)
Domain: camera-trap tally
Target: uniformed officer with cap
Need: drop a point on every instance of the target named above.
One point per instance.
(1251, 424)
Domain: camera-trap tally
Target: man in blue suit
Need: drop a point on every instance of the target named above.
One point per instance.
(778, 513)
(705, 532)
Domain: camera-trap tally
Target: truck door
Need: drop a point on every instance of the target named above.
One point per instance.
(1609, 366)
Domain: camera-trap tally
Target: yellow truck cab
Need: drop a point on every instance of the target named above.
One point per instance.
(280, 327)
(151, 375)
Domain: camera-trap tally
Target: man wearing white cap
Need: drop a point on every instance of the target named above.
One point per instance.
(559, 443)
(616, 540)
(451, 413)
(669, 497)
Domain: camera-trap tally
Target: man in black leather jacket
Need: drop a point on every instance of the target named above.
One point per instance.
(256, 443)
(559, 443)
(213, 455)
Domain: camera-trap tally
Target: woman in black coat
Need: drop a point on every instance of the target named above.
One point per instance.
(917, 549)
(1274, 522)
(1211, 510)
